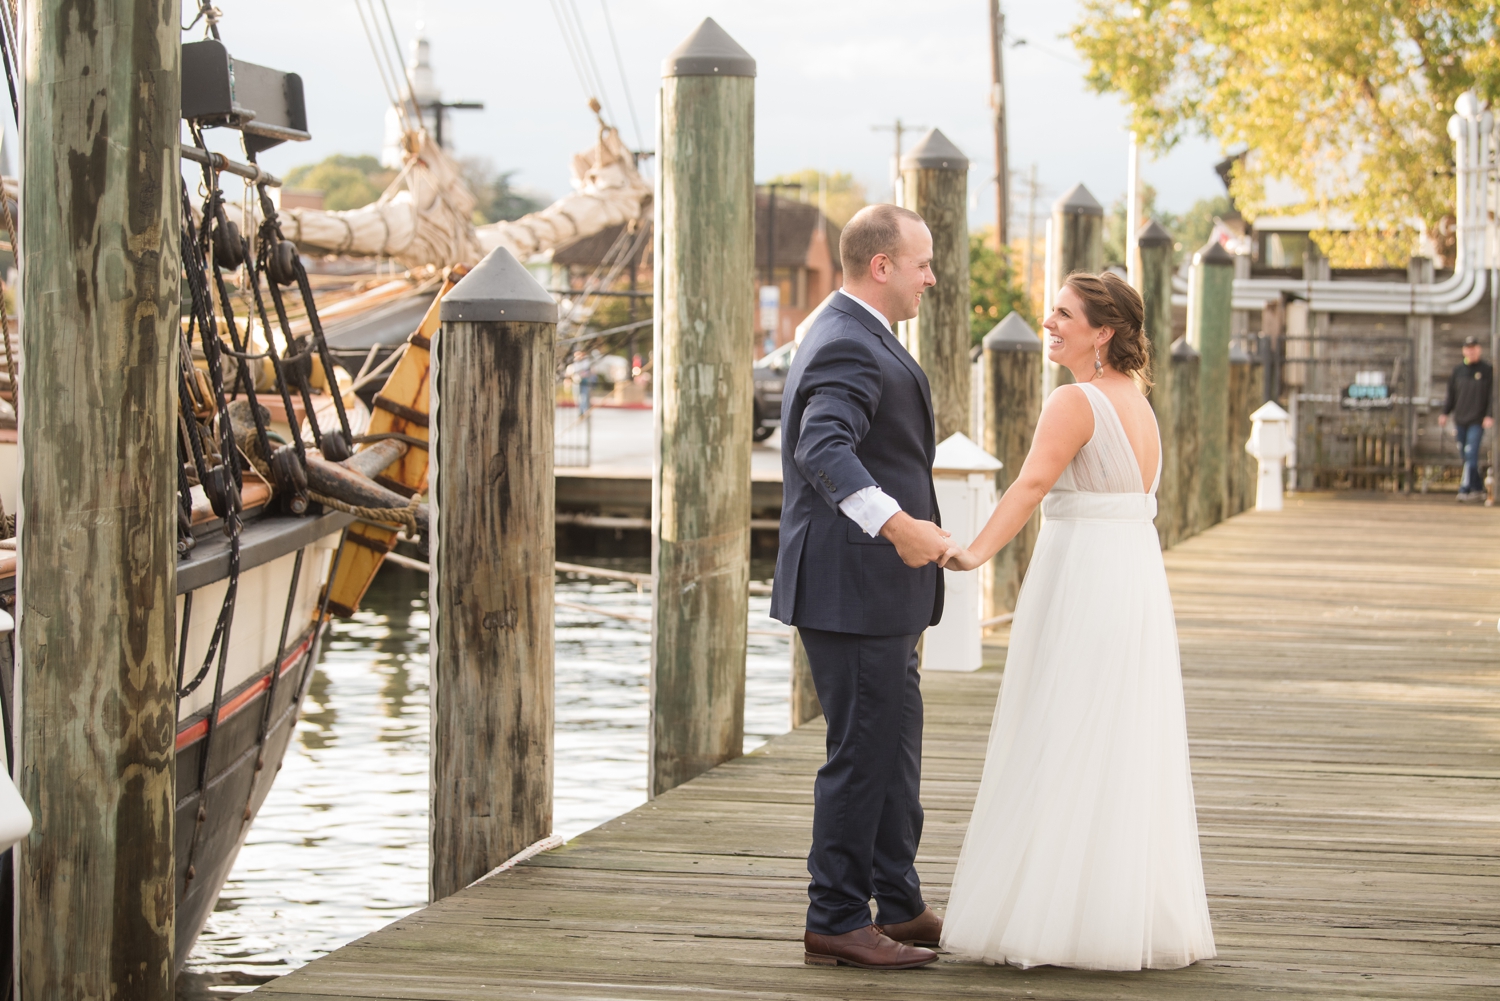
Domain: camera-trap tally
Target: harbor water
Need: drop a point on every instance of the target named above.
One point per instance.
(340, 847)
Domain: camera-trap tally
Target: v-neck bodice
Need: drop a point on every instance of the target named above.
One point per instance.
(1106, 464)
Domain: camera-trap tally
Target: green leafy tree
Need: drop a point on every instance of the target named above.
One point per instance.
(498, 199)
(994, 289)
(347, 182)
(842, 194)
(1348, 100)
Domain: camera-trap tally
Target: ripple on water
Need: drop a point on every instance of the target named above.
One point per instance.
(340, 847)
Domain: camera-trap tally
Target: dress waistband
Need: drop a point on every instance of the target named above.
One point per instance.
(1077, 505)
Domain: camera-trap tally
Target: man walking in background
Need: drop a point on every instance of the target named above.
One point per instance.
(1470, 388)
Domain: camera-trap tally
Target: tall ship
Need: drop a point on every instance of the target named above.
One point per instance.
(303, 401)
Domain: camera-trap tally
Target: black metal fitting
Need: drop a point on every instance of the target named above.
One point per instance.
(335, 448)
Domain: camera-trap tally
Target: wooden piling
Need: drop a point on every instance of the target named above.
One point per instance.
(1156, 291)
(1185, 432)
(492, 572)
(1210, 294)
(1075, 242)
(98, 705)
(935, 185)
(805, 704)
(700, 512)
(1241, 470)
(1012, 405)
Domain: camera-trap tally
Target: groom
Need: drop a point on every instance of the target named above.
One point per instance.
(856, 576)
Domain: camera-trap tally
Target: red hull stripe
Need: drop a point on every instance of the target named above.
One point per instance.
(198, 730)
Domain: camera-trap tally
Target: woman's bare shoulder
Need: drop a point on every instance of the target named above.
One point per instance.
(1067, 411)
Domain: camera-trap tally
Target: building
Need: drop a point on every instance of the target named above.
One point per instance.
(805, 266)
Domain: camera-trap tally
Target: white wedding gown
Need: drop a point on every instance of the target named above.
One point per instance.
(1083, 847)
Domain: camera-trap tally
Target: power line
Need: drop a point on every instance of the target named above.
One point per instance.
(640, 142)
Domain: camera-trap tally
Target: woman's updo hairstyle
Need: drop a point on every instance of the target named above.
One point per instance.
(1109, 301)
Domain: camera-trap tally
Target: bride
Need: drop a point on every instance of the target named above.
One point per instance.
(1083, 846)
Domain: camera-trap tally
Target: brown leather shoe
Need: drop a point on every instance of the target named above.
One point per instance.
(866, 948)
(924, 929)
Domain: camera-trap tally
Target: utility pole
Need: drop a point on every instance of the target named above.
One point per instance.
(898, 127)
(440, 111)
(997, 106)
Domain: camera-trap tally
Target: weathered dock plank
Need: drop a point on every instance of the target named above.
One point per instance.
(1342, 669)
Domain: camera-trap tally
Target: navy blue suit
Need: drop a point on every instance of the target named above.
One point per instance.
(857, 412)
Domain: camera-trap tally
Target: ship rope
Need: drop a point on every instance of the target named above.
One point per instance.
(224, 434)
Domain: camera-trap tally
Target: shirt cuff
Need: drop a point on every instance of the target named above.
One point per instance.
(870, 509)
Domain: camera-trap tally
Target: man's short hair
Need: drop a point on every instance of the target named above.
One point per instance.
(875, 229)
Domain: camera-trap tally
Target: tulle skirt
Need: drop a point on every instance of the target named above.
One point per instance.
(1083, 846)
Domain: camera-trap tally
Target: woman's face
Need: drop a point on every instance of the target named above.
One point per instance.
(1071, 341)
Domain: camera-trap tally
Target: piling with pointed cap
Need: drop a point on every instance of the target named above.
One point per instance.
(492, 572)
(935, 185)
(1075, 242)
(1156, 246)
(700, 512)
(1210, 300)
(1185, 434)
(1012, 381)
(98, 689)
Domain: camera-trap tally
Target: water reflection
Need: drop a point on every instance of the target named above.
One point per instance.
(340, 847)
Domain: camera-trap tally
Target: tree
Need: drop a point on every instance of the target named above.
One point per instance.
(1348, 100)
(347, 182)
(993, 287)
(842, 194)
(498, 198)
(1190, 231)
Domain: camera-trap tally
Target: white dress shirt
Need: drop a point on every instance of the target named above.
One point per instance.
(871, 507)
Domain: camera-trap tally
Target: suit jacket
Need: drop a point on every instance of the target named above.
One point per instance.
(856, 412)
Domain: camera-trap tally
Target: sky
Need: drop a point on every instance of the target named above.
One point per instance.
(828, 72)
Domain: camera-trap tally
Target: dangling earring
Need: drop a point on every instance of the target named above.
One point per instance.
(1098, 363)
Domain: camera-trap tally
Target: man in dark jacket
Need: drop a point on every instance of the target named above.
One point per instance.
(1470, 389)
(856, 575)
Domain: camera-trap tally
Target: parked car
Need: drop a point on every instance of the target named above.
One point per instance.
(770, 376)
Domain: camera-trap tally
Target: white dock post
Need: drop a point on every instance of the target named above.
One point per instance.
(964, 475)
(1270, 442)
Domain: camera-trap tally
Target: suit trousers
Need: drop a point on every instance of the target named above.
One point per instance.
(867, 816)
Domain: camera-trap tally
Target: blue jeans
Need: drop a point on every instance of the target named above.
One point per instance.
(1469, 437)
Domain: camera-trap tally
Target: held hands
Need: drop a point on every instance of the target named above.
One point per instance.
(918, 543)
(958, 558)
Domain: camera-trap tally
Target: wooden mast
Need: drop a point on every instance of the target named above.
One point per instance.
(98, 706)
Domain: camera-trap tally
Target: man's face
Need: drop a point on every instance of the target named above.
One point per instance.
(1471, 353)
(910, 273)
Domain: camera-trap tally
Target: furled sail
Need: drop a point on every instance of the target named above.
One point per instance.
(424, 217)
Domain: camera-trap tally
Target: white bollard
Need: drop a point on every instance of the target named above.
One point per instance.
(964, 477)
(1270, 442)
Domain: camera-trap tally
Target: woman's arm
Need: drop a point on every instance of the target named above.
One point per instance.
(1065, 426)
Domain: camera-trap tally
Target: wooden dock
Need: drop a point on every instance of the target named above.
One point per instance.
(1342, 669)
